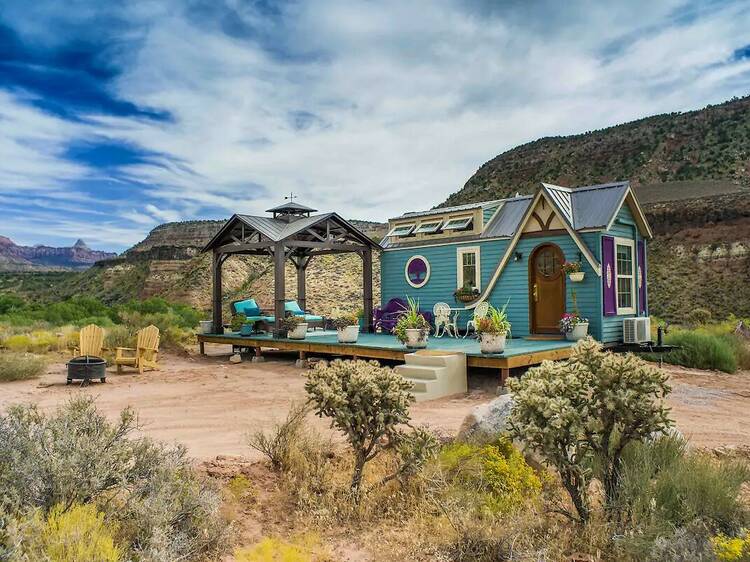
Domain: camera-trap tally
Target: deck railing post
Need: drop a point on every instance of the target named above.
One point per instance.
(367, 288)
(216, 318)
(279, 284)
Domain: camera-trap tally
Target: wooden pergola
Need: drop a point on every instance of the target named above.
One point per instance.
(292, 233)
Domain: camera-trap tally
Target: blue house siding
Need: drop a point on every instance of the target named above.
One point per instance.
(512, 287)
(623, 227)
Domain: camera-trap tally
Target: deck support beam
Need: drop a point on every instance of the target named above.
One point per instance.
(279, 289)
(367, 289)
(216, 317)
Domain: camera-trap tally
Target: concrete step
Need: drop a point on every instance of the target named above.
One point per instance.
(419, 372)
(425, 359)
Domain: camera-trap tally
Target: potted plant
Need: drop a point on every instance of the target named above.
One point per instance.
(467, 293)
(206, 326)
(492, 330)
(237, 322)
(347, 328)
(412, 329)
(574, 326)
(573, 270)
(295, 326)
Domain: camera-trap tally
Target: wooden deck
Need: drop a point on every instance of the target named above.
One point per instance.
(519, 352)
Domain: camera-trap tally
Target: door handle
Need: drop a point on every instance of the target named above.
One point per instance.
(535, 293)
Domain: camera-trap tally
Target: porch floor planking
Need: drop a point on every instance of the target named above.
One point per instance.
(519, 352)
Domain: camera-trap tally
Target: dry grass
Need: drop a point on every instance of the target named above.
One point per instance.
(20, 366)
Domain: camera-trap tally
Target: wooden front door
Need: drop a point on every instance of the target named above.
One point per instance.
(546, 289)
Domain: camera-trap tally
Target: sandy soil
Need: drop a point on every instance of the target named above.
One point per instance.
(209, 404)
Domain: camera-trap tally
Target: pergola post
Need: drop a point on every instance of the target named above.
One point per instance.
(367, 288)
(301, 281)
(216, 317)
(279, 289)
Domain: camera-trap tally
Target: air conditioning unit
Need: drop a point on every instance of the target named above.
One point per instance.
(636, 330)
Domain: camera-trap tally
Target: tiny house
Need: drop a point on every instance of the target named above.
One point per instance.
(511, 252)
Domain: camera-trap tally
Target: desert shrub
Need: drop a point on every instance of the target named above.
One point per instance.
(240, 487)
(18, 342)
(306, 548)
(664, 485)
(11, 303)
(278, 444)
(175, 314)
(20, 366)
(74, 534)
(698, 317)
(701, 351)
(172, 333)
(740, 348)
(368, 403)
(118, 336)
(496, 474)
(580, 414)
(684, 545)
(76, 456)
(732, 549)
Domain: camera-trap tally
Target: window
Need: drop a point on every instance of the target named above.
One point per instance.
(417, 271)
(467, 263)
(460, 223)
(624, 273)
(401, 230)
(428, 227)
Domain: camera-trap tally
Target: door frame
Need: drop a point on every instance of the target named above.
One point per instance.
(531, 273)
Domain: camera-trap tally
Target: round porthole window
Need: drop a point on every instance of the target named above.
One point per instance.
(417, 271)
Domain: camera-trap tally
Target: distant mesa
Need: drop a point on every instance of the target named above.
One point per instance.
(47, 258)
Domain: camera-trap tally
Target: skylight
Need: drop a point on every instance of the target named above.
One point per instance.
(401, 230)
(459, 223)
(428, 227)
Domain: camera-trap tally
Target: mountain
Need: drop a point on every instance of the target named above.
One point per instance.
(46, 258)
(691, 172)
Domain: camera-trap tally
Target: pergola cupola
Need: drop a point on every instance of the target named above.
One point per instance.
(291, 211)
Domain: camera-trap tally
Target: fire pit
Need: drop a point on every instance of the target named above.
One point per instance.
(87, 368)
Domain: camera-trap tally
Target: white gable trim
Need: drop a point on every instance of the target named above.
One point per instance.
(640, 217)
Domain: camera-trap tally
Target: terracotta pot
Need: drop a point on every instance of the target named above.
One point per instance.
(577, 276)
(578, 332)
(299, 332)
(414, 338)
(348, 334)
(492, 343)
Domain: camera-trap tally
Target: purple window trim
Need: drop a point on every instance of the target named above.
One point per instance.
(609, 284)
(642, 271)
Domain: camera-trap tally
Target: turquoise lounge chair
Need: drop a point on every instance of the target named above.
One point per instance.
(315, 321)
(252, 312)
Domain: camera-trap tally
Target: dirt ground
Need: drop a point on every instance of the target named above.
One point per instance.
(209, 404)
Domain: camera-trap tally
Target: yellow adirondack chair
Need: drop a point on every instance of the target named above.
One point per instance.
(90, 341)
(144, 354)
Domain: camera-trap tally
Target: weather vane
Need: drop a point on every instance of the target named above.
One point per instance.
(291, 197)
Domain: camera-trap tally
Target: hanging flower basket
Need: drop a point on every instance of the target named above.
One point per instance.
(466, 294)
(576, 276)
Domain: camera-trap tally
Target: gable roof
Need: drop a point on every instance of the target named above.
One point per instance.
(509, 216)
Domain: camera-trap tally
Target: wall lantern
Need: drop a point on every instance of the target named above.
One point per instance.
(518, 256)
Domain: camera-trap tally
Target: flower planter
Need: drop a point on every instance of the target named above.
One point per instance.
(578, 332)
(576, 276)
(299, 332)
(467, 298)
(414, 339)
(492, 343)
(348, 334)
(247, 329)
(206, 326)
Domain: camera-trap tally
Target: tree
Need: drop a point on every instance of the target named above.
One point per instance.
(368, 403)
(580, 414)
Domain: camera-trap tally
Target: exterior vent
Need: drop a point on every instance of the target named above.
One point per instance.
(636, 330)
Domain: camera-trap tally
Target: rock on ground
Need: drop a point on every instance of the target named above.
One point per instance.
(487, 419)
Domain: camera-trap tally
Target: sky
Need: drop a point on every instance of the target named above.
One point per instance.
(118, 116)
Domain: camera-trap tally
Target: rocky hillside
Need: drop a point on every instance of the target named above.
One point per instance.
(707, 144)
(46, 258)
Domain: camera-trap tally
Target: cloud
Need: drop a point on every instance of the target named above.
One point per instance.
(367, 108)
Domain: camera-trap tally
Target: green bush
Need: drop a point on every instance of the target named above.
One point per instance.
(20, 366)
(701, 351)
(75, 455)
(496, 474)
(698, 317)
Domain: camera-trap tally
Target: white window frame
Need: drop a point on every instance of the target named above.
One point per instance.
(476, 250)
(400, 226)
(427, 276)
(467, 222)
(428, 226)
(633, 282)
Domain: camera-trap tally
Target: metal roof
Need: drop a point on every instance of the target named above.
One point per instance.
(446, 210)
(507, 219)
(292, 208)
(592, 206)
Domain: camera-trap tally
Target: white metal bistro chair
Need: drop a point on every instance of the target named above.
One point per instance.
(445, 323)
(480, 311)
